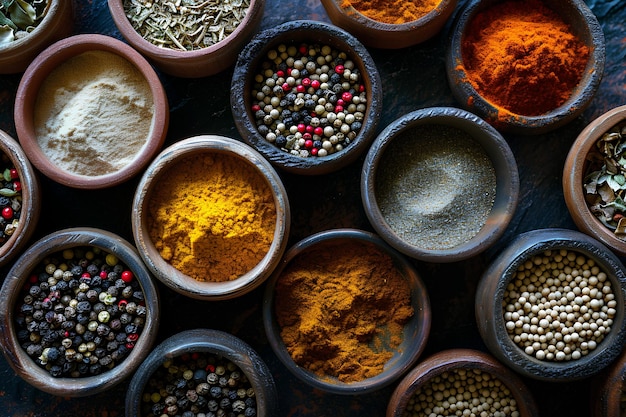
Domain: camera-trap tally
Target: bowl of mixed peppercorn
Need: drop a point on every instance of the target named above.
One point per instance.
(20, 200)
(79, 312)
(306, 95)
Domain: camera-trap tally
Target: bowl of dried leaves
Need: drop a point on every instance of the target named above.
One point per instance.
(27, 27)
(187, 38)
(594, 180)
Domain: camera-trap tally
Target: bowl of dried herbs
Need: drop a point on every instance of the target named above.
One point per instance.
(27, 27)
(176, 37)
(594, 179)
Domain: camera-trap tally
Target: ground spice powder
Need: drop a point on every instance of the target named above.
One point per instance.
(341, 308)
(523, 57)
(392, 11)
(212, 216)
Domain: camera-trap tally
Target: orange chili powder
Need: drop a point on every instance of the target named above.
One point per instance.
(392, 11)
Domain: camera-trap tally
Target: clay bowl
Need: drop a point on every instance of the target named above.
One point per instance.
(12, 297)
(26, 110)
(393, 198)
(415, 330)
(57, 23)
(164, 270)
(196, 63)
(298, 33)
(222, 346)
(608, 387)
(575, 171)
(378, 34)
(457, 362)
(519, 258)
(30, 199)
(583, 24)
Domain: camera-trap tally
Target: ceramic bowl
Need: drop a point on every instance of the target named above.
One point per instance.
(297, 34)
(21, 276)
(583, 153)
(159, 169)
(202, 62)
(583, 24)
(459, 362)
(398, 205)
(57, 23)
(608, 389)
(378, 34)
(30, 202)
(43, 149)
(414, 333)
(501, 276)
(207, 342)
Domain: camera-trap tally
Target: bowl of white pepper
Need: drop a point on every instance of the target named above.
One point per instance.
(78, 312)
(306, 95)
(202, 372)
(551, 305)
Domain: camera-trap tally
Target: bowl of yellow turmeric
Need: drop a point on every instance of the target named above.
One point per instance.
(526, 67)
(211, 217)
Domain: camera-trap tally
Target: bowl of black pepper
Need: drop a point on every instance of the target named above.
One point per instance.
(306, 95)
(202, 372)
(551, 305)
(20, 199)
(79, 312)
(440, 184)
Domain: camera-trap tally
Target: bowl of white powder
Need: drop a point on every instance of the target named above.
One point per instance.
(90, 112)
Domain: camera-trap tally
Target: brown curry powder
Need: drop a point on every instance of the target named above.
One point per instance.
(341, 309)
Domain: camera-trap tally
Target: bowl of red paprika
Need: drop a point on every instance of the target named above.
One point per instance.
(526, 67)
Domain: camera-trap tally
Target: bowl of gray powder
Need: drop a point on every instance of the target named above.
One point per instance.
(90, 112)
(439, 184)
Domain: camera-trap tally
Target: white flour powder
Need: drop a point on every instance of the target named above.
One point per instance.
(93, 114)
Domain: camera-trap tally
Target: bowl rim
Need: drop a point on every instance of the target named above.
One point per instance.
(499, 152)
(17, 358)
(459, 358)
(31, 198)
(169, 275)
(490, 291)
(505, 120)
(401, 362)
(209, 341)
(573, 176)
(250, 58)
(35, 75)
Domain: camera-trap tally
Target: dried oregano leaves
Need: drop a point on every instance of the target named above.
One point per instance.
(20, 17)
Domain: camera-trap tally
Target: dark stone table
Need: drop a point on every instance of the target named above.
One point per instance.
(412, 78)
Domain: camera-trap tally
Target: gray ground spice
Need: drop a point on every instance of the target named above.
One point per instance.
(435, 186)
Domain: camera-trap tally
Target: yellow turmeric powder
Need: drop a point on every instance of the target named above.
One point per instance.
(212, 217)
(392, 11)
(341, 308)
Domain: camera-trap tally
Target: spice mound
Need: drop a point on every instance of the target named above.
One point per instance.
(19, 18)
(394, 12)
(435, 186)
(196, 384)
(212, 216)
(93, 114)
(341, 308)
(605, 180)
(559, 306)
(185, 25)
(523, 57)
(309, 100)
(10, 199)
(82, 311)
(467, 392)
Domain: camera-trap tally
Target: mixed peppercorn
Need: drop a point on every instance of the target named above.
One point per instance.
(81, 312)
(309, 100)
(10, 199)
(199, 384)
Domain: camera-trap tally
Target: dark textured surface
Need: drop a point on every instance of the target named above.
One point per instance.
(412, 78)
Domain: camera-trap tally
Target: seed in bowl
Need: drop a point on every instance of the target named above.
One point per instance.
(10, 198)
(559, 306)
(462, 392)
(81, 312)
(309, 100)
